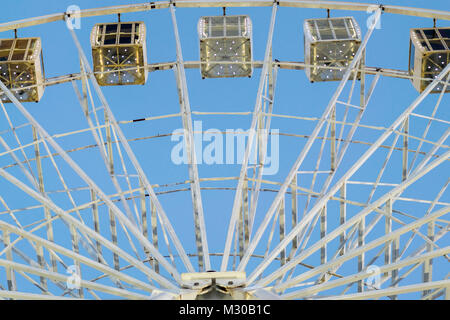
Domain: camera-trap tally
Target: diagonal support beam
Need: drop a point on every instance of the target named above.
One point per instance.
(393, 291)
(351, 254)
(365, 274)
(64, 278)
(139, 265)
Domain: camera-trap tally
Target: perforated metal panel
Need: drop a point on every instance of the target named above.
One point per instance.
(225, 46)
(21, 68)
(429, 55)
(119, 53)
(330, 42)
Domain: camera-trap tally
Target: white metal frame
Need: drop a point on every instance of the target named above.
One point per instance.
(293, 247)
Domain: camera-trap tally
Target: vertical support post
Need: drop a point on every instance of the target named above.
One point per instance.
(323, 232)
(84, 84)
(427, 272)
(246, 214)
(294, 208)
(361, 262)
(154, 223)
(109, 143)
(96, 223)
(333, 139)
(10, 274)
(113, 230)
(282, 223)
(144, 217)
(405, 149)
(362, 65)
(74, 238)
(387, 230)
(342, 215)
(47, 213)
(41, 262)
(240, 231)
(395, 257)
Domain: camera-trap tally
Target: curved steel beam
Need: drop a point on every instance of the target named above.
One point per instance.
(309, 4)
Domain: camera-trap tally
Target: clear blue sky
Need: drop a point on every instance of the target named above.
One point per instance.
(59, 111)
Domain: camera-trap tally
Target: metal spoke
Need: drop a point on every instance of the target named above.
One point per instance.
(249, 146)
(393, 291)
(78, 203)
(199, 220)
(80, 226)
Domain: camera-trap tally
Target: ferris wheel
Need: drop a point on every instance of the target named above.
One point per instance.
(351, 202)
